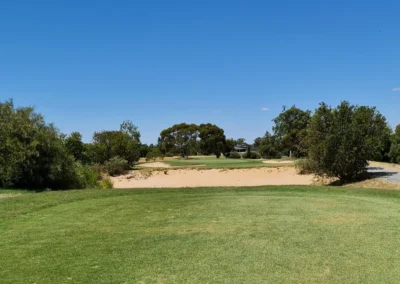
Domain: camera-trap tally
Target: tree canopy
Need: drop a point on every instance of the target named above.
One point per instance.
(291, 129)
(212, 139)
(343, 139)
(179, 138)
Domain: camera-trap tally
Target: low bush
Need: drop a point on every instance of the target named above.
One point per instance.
(234, 155)
(251, 155)
(169, 154)
(87, 176)
(105, 183)
(116, 166)
(304, 166)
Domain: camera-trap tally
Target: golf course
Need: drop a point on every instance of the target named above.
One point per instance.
(286, 234)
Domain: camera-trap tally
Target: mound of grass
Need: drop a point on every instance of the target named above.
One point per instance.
(240, 235)
(213, 162)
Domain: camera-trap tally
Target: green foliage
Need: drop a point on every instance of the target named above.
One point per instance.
(116, 166)
(88, 176)
(343, 139)
(75, 147)
(212, 139)
(251, 155)
(181, 138)
(229, 147)
(394, 154)
(33, 154)
(105, 183)
(270, 146)
(234, 155)
(304, 166)
(154, 154)
(132, 130)
(109, 144)
(291, 130)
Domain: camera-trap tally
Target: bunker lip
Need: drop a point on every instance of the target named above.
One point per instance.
(212, 178)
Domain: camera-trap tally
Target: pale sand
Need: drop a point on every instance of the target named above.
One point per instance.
(212, 177)
(277, 162)
(155, 165)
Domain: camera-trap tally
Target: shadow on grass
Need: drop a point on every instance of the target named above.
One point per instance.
(373, 172)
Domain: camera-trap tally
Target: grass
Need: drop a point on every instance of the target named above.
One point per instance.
(232, 235)
(211, 162)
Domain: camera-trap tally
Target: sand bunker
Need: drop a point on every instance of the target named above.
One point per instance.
(155, 165)
(212, 177)
(277, 162)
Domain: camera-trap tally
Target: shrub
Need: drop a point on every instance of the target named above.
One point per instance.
(343, 139)
(87, 176)
(234, 155)
(304, 166)
(116, 166)
(105, 183)
(169, 154)
(251, 155)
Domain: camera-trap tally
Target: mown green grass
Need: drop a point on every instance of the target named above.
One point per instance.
(213, 162)
(222, 235)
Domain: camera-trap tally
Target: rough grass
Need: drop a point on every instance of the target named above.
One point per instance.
(214, 163)
(222, 235)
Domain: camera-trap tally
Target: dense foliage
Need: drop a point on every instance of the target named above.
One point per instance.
(212, 139)
(343, 139)
(33, 153)
(291, 129)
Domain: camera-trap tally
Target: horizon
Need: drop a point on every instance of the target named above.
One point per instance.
(87, 66)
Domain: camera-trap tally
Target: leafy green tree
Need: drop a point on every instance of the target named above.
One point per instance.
(394, 153)
(229, 147)
(212, 139)
(132, 130)
(270, 146)
(291, 129)
(33, 154)
(179, 138)
(109, 144)
(343, 139)
(76, 147)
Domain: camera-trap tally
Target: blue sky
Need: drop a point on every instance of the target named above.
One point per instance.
(86, 65)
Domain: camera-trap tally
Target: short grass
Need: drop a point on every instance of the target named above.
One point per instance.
(211, 162)
(222, 235)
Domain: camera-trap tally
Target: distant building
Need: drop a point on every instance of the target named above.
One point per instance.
(240, 148)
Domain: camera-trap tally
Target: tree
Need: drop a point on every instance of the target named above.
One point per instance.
(33, 154)
(181, 138)
(343, 139)
(394, 154)
(229, 146)
(109, 144)
(212, 139)
(291, 129)
(132, 130)
(76, 147)
(270, 146)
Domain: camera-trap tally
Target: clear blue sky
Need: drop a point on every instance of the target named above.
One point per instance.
(89, 64)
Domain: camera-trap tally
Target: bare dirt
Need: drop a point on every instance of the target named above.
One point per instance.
(212, 178)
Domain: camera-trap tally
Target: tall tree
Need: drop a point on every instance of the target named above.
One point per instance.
(179, 138)
(291, 128)
(269, 146)
(394, 153)
(76, 147)
(132, 130)
(109, 144)
(212, 139)
(343, 139)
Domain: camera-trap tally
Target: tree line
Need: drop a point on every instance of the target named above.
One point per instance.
(335, 141)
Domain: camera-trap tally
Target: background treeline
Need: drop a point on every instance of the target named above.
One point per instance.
(333, 141)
